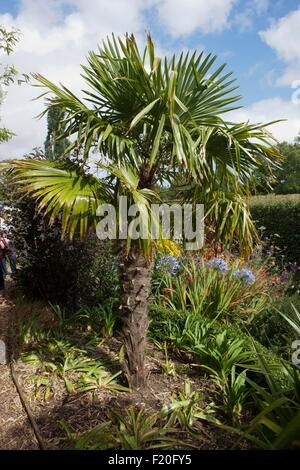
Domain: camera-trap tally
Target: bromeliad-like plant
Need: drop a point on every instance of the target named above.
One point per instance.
(134, 430)
(233, 394)
(96, 376)
(221, 355)
(277, 425)
(60, 357)
(149, 120)
(185, 408)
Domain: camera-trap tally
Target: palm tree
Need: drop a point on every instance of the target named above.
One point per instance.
(148, 120)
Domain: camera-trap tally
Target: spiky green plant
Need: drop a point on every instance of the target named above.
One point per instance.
(133, 430)
(184, 410)
(277, 425)
(233, 394)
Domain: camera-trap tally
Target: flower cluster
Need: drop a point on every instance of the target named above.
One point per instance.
(212, 251)
(168, 263)
(245, 275)
(169, 247)
(282, 279)
(218, 263)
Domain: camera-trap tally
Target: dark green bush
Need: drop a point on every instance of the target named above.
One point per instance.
(279, 215)
(69, 273)
(103, 278)
(159, 317)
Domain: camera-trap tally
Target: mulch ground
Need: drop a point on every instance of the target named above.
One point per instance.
(15, 429)
(83, 411)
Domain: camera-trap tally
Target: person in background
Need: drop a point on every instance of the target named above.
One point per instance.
(3, 225)
(1, 272)
(8, 255)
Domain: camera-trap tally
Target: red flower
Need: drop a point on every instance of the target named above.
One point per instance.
(219, 249)
(275, 279)
(209, 255)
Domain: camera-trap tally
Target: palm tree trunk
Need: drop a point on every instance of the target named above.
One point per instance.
(135, 278)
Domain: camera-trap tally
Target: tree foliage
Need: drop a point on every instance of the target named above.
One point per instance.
(8, 73)
(54, 146)
(148, 124)
(288, 176)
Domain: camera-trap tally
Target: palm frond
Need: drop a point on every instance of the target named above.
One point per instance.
(61, 189)
(154, 118)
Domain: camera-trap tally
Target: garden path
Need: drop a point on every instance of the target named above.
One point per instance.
(16, 432)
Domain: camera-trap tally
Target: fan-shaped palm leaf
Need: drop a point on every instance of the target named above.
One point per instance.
(61, 189)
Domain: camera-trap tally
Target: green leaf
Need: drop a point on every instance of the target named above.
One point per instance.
(143, 113)
(156, 141)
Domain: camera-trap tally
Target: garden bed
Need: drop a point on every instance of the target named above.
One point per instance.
(82, 411)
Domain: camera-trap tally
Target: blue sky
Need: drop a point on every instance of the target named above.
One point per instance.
(258, 39)
(253, 62)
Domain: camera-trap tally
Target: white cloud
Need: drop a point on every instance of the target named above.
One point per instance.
(184, 17)
(260, 6)
(244, 20)
(245, 17)
(54, 42)
(19, 114)
(270, 110)
(284, 37)
(57, 34)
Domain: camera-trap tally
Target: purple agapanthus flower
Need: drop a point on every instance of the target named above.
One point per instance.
(169, 263)
(218, 263)
(246, 275)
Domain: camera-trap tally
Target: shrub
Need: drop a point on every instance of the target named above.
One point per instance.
(160, 318)
(52, 268)
(103, 278)
(279, 215)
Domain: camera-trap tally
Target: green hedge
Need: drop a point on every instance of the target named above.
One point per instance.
(280, 215)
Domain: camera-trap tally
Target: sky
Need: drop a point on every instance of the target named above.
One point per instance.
(258, 39)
